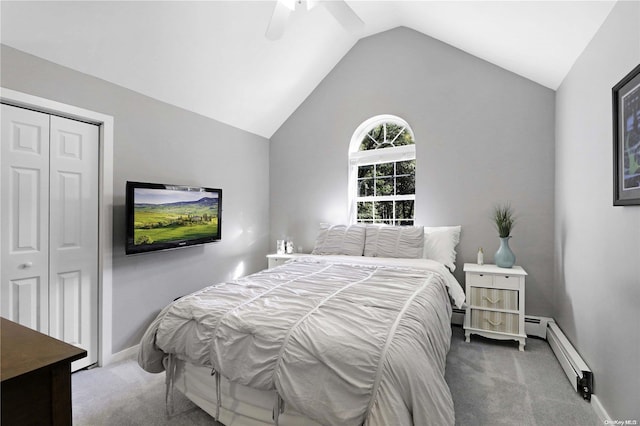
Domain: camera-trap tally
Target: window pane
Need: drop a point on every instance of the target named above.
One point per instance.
(365, 187)
(367, 144)
(365, 171)
(406, 167)
(371, 139)
(377, 133)
(404, 139)
(405, 181)
(404, 222)
(384, 186)
(396, 135)
(404, 209)
(384, 169)
(365, 210)
(383, 211)
(393, 130)
(405, 185)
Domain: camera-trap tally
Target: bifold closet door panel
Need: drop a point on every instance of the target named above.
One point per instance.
(24, 217)
(73, 240)
(49, 179)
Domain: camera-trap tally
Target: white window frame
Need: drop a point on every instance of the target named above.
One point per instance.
(359, 158)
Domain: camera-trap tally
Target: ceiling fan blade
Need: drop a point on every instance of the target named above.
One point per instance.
(278, 21)
(345, 15)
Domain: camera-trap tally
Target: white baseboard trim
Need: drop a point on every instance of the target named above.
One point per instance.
(124, 354)
(599, 409)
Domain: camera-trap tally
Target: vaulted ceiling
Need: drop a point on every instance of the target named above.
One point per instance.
(212, 57)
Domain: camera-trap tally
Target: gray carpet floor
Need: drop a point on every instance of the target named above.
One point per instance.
(491, 382)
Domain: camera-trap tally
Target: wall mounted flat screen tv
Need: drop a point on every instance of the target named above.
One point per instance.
(162, 217)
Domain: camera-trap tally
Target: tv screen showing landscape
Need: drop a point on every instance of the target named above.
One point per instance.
(161, 217)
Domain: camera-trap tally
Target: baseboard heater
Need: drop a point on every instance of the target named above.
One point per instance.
(536, 326)
(574, 367)
(533, 326)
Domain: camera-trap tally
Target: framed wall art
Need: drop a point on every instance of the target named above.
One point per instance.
(626, 140)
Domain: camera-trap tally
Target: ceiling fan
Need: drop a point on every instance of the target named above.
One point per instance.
(338, 8)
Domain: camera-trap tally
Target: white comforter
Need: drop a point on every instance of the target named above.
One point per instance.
(342, 340)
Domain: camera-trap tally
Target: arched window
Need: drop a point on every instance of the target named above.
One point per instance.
(382, 172)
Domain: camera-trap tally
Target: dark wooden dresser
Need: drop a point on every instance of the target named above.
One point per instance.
(36, 376)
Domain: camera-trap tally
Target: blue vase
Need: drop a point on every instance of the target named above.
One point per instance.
(504, 257)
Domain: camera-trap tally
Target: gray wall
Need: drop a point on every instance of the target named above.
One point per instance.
(157, 142)
(597, 246)
(484, 136)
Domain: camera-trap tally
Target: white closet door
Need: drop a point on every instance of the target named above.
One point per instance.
(73, 289)
(24, 205)
(49, 226)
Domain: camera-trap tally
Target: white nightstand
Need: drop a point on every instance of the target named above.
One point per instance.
(495, 302)
(279, 259)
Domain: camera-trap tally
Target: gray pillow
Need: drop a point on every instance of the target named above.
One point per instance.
(340, 239)
(394, 241)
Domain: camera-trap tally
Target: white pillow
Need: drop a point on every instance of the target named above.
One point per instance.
(440, 244)
(340, 239)
(394, 241)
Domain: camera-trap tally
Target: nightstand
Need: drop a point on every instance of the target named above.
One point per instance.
(495, 302)
(279, 259)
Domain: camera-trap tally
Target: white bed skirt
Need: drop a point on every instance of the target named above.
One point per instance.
(240, 405)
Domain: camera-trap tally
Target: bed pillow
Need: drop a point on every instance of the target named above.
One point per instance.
(394, 241)
(440, 244)
(340, 239)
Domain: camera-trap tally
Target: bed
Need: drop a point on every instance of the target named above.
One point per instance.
(323, 339)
